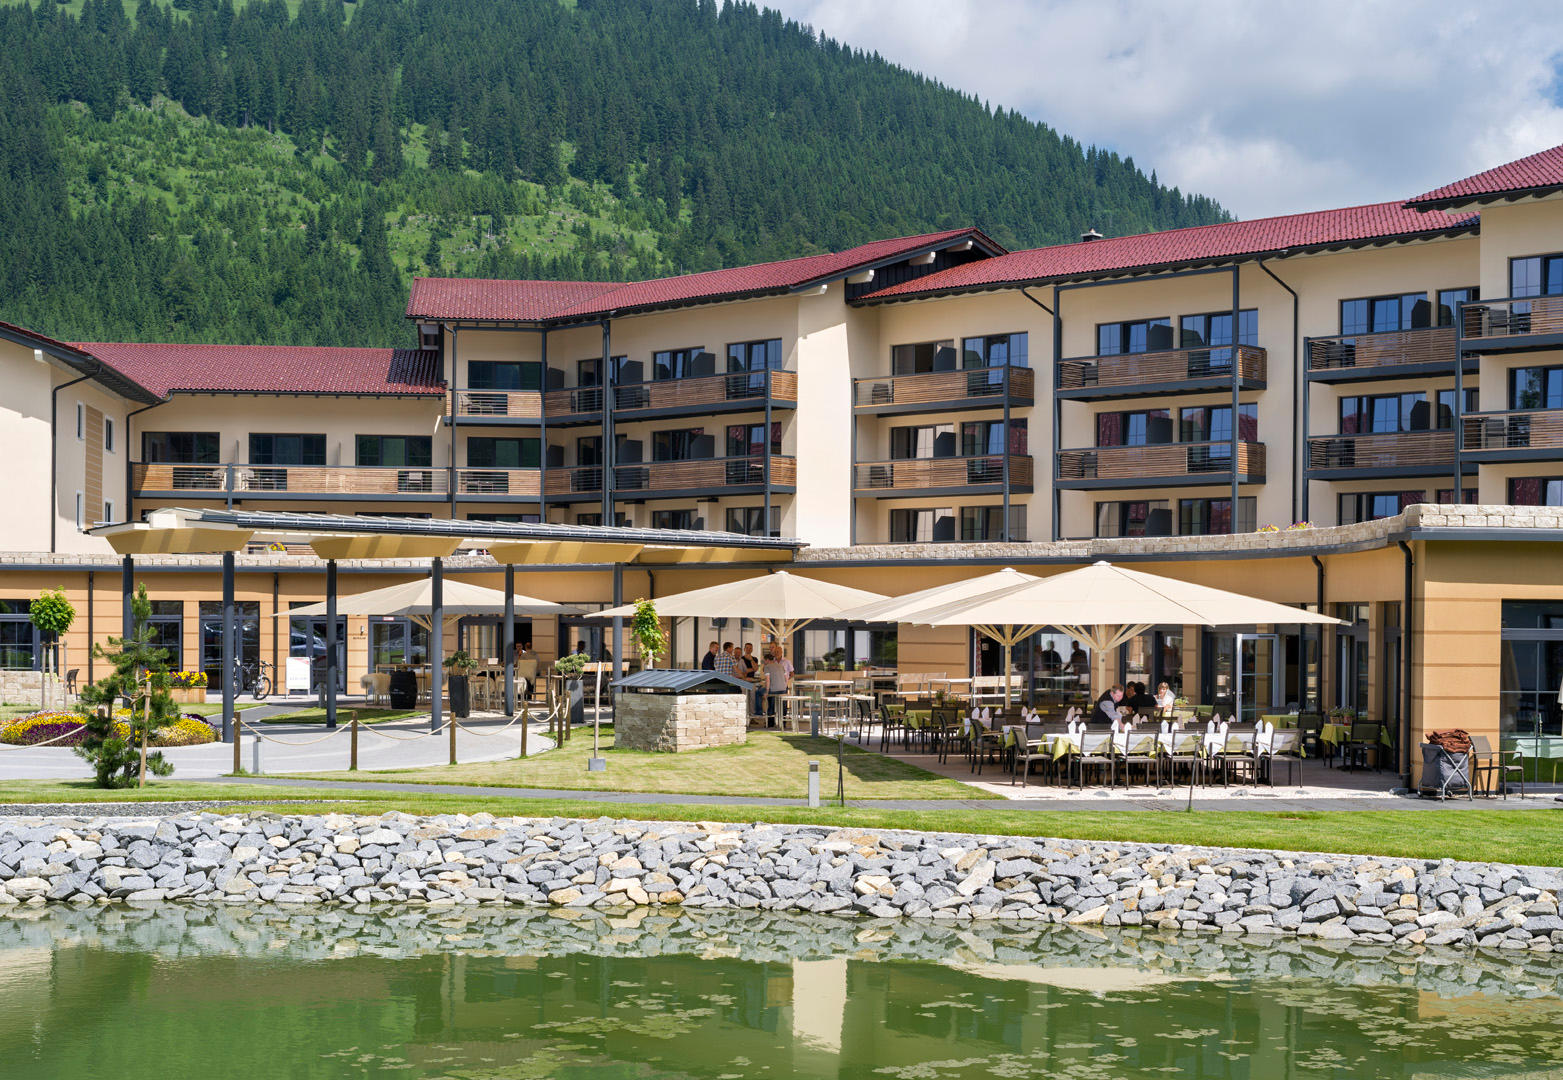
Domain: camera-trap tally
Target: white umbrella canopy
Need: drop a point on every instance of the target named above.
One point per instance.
(781, 603)
(1107, 605)
(415, 600)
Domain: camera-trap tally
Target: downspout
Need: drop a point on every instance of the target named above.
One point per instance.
(1405, 665)
(1052, 465)
(1299, 385)
(54, 461)
(130, 498)
(1233, 517)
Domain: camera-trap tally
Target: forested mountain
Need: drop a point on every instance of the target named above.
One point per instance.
(276, 170)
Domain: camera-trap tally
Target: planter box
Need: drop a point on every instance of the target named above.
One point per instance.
(188, 695)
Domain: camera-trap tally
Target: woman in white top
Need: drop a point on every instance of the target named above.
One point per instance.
(1165, 698)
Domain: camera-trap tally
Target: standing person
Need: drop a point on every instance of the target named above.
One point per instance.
(1078, 660)
(749, 668)
(708, 661)
(778, 680)
(724, 664)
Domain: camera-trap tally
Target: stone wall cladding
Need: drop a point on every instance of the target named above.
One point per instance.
(456, 860)
(676, 722)
(24, 687)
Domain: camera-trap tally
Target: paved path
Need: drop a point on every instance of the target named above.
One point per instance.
(299, 748)
(1131, 801)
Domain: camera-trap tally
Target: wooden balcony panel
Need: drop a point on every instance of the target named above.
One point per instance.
(221, 480)
(943, 387)
(916, 474)
(521, 404)
(1170, 366)
(1164, 461)
(1399, 450)
(1512, 317)
(499, 482)
(1539, 429)
(1392, 348)
(586, 479)
(573, 401)
(735, 387)
(705, 474)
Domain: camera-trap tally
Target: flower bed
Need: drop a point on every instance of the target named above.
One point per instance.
(67, 729)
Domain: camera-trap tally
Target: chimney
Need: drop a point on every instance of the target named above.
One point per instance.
(1089, 235)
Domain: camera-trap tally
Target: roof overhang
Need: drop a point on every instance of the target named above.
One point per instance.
(1488, 198)
(82, 362)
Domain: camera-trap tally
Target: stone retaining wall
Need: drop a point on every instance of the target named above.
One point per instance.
(448, 861)
(678, 722)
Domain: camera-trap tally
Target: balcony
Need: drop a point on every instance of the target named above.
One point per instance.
(908, 477)
(1164, 465)
(1403, 453)
(1389, 354)
(746, 391)
(496, 406)
(944, 391)
(1519, 435)
(337, 482)
(573, 405)
(498, 485)
(579, 484)
(705, 477)
(1512, 324)
(1175, 371)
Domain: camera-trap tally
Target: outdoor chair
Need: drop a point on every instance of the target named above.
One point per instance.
(1182, 748)
(986, 739)
(1284, 745)
(70, 680)
(1361, 741)
(1096, 751)
(1490, 765)
(942, 729)
(1309, 726)
(1135, 748)
(1236, 755)
(892, 721)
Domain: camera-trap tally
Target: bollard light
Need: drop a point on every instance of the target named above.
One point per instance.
(814, 784)
(255, 762)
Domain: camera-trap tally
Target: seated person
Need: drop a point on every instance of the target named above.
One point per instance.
(1165, 698)
(1107, 707)
(1140, 701)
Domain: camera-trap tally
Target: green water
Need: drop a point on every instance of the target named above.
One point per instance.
(166, 993)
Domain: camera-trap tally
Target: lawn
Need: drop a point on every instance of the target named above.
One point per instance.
(1524, 836)
(316, 715)
(769, 764)
(210, 709)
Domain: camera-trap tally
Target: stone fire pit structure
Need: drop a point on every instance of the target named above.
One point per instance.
(672, 710)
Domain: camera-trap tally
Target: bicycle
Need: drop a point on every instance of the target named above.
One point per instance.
(254, 679)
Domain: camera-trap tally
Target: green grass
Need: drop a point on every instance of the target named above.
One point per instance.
(1523, 836)
(211, 709)
(365, 716)
(768, 764)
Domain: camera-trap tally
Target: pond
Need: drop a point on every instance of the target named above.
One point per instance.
(167, 992)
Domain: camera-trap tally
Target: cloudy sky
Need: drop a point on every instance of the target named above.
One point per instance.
(1269, 106)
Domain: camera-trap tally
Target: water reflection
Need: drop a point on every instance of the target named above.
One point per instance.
(171, 992)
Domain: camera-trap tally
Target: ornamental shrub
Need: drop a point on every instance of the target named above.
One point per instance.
(140, 679)
(186, 731)
(51, 613)
(646, 628)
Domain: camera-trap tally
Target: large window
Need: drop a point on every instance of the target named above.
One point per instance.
(507, 519)
(20, 646)
(1210, 517)
(922, 525)
(748, 440)
(504, 375)
(690, 363)
(839, 645)
(931, 441)
(247, 629)
(1535, 491)
(755, 355)
(1214, 332)
(588, 450)
(287, 449)
(683, 444)
(1135, 517)
(1530, 668)
(1148, 427)
(180, 447)
(416, 451)
(676, 519)
(1373, 505)
(1377, 414)
(1536, 388)
(984, 523)
(490, 452)
(1142, 335)
(1467, 495)
(167, 626)
(922, 357)
(982, 437)
(750, 521)
(1213, 424)
(1446, 409)
(1449, 301)
(1536, 275)
(394, 642)
(995, 350)
(1374, 314)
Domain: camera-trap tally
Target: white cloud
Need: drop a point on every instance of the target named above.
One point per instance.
(1269, 107)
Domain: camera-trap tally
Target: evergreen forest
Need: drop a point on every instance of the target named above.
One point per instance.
(279, 170)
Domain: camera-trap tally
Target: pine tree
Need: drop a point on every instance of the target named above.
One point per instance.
(140, 679)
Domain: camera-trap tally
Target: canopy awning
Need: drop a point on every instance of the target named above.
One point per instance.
(415, 600)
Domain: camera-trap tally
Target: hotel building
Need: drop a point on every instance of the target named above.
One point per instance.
(915, 410)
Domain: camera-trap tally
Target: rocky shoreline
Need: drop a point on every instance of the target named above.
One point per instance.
(457, 860)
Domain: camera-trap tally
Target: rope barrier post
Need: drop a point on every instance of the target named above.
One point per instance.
(526, 718)
(352, 754)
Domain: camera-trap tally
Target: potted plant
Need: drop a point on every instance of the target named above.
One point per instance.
(187, 687)
(460, 664)
(572, 666)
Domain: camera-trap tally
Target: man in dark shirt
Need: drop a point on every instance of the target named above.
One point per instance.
(1106, 710)
(708, 662)
(1140, 701)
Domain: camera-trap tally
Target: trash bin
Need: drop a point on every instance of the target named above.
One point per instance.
(404, 689)
(1444, 773)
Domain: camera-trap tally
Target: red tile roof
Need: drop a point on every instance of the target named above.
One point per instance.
(272, 369)
(91, 366)
(1543, 170)
(1177, 246)
(536, 301)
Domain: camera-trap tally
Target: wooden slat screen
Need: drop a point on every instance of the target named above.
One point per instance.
(940, 387)
(1433, 345)
(1434, 449)
(1174, 365)
(1165, 460)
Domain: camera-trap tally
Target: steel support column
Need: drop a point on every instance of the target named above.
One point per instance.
(127, 588)
(1237, 382)
(610, 456)
(331, 644)
(618, 620)
(229, 734)
(542, 438)
(436, 643)
(509, 640)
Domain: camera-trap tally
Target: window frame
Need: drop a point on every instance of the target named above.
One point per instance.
(194, 458)
(494, 441)
(1475, 294)
(1400, 298)
(379, 440)
(325, 449)
(1010, 351)
(941, 517)
(1247, 507)
(936, 345)
(1548, 371)
(1544, 261)
(1125, 328)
